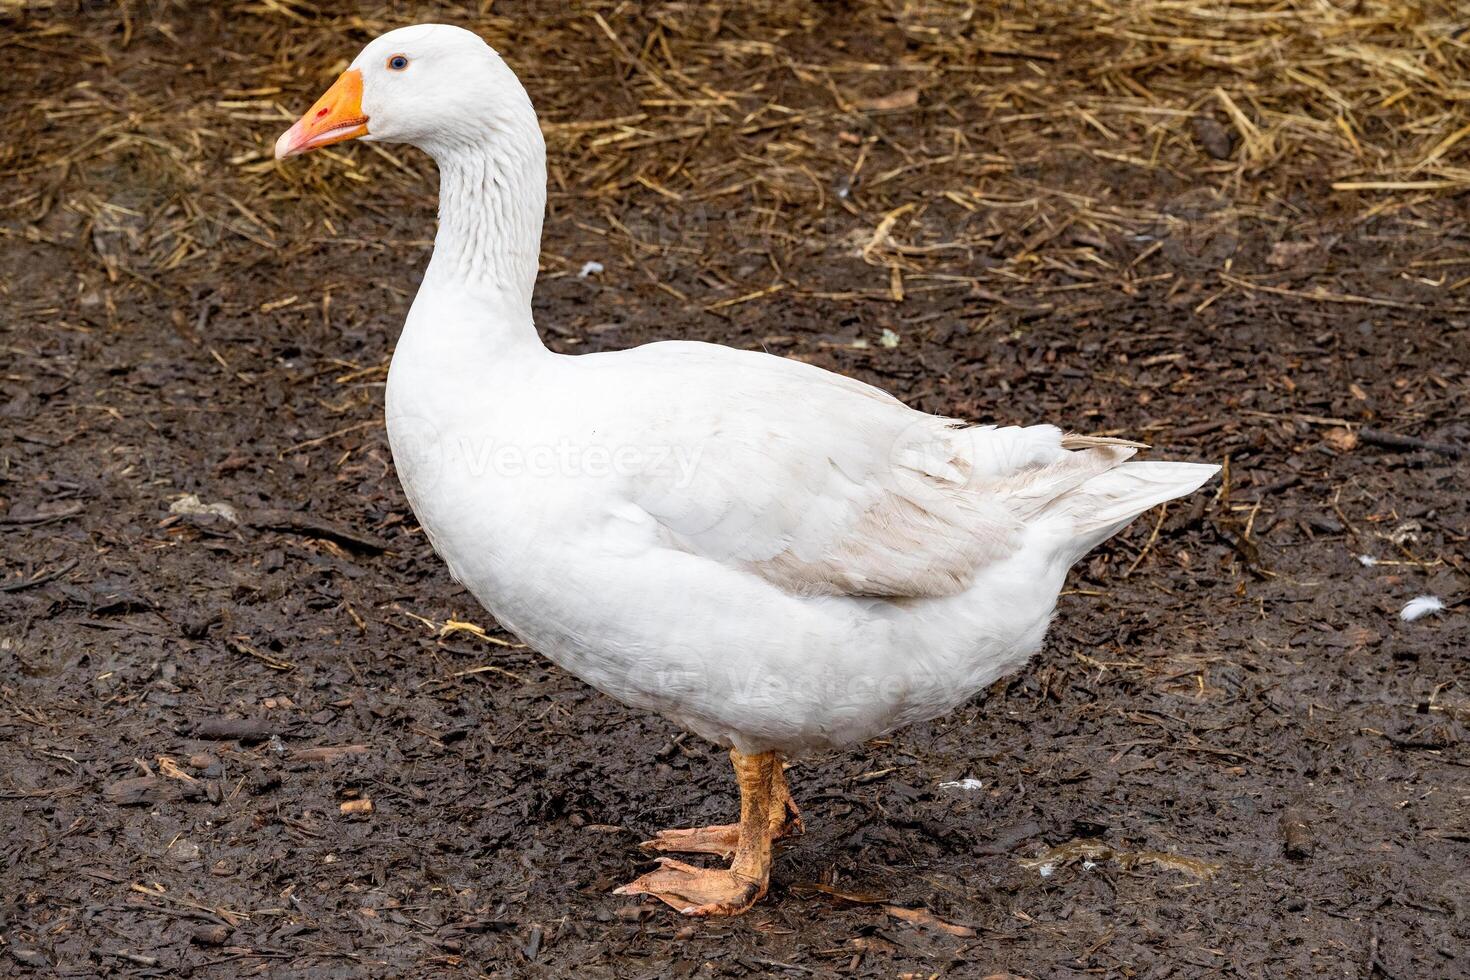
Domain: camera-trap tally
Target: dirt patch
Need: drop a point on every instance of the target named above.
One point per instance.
(251, 727)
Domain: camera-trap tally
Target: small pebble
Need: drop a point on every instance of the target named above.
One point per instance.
(183, 851)
(211, 935)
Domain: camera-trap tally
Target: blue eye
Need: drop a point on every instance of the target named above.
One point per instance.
(398, 62)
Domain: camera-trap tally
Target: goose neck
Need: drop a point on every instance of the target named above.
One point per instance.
(492, 198)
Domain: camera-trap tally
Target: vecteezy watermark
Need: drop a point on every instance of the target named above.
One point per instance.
(425, 454)
(572, 460)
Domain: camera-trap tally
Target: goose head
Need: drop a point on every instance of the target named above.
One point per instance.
(434, 86)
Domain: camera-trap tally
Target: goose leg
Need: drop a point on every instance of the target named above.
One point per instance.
(722, 839)
(785, 817)
(732, 890)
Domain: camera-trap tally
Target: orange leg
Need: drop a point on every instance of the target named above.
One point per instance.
(732, 890)
(722, 839)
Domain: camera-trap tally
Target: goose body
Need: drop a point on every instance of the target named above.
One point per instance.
(773, 556)
(755, 570)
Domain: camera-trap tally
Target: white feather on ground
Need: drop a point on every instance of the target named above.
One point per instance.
(1421, 606)
(967, 785)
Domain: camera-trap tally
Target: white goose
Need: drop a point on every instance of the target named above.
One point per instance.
(778, 558)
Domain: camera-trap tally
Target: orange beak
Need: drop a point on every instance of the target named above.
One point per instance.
(337, 116)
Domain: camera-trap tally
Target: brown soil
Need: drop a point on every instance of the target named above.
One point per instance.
(1232, 758)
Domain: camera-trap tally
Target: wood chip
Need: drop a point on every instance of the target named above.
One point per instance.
(1296, 834)
(927, 919)
(147, 790)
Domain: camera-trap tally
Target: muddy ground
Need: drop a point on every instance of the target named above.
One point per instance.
(1232, 758)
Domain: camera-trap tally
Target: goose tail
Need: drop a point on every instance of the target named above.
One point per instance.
(1108, 502)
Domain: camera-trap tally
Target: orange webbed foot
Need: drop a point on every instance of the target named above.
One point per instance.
(697, 891)
(721, 839)
(766, 812)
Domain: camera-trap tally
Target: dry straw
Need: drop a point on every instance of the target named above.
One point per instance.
(1011, 149)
